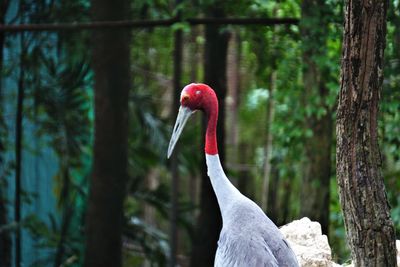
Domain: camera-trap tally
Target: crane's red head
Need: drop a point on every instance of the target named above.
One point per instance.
(197, 96)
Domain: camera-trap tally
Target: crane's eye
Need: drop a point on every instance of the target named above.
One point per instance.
(185, 98)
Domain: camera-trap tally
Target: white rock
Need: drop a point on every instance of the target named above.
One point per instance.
(398, 252)
(309, 244)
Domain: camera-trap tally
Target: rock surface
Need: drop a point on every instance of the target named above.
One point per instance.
(311, 246)
(398, 252)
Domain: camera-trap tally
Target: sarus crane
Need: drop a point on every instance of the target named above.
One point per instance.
(248, 237)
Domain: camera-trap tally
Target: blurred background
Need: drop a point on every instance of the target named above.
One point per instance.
(277, 80)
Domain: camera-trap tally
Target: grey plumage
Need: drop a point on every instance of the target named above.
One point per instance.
(248, 237)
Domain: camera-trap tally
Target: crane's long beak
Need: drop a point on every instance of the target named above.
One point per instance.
(183, 116)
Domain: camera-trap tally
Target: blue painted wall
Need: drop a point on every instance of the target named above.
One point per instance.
(39, 161)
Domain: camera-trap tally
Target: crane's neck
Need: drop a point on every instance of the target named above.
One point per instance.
(225, 191)
(211, 111)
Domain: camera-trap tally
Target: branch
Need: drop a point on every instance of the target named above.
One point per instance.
(245, 21)
(13, 28)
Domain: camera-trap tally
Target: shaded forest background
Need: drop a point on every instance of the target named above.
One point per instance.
(278, 84)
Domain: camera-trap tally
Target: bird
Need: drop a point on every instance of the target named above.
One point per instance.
(248, 237)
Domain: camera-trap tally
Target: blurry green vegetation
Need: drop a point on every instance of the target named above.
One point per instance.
(59, 102)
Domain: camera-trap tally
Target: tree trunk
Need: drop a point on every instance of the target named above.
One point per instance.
(268, 143)
(369, 228)
(233, 88)
(274, 201)
(18, 150)
(316, 179)
(107, 186)
(174, 213)
(209, 223)
(317, 167)
(194, 61)
(67, 213)
(283, 217)
(245, 184)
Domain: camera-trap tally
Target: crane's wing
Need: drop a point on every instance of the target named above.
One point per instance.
(250, 238)
(234, 251)
(274, 239)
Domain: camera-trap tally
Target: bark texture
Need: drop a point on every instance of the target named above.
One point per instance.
(107, 188)
(369, 228)
(317, 170)
(209, 223)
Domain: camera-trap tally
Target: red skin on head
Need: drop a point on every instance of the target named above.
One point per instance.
(199, 96)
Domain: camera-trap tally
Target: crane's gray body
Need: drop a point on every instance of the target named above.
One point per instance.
(248, 237)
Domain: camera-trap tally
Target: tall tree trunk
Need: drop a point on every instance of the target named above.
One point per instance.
(5, 239)
(237, 160)
(369, 228)
(67, 214)
(268, 143)
(18, 150)
(317, 166)
(112, 80)
(284, 211)
(209, 223)
(195, 62)
(274, 200)
(233, 85)
(315, 192)
(174, 213)
(245, 182)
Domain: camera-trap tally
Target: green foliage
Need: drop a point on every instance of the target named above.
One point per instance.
(147, 152)
(337, 234)
(264, 51)
(57, 105)
(48, 237)
(151, 242)
(389, 119)
(276, 8)
(61, 111)
(152, 9)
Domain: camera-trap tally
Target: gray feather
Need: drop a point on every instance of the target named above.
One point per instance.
(250, 238)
